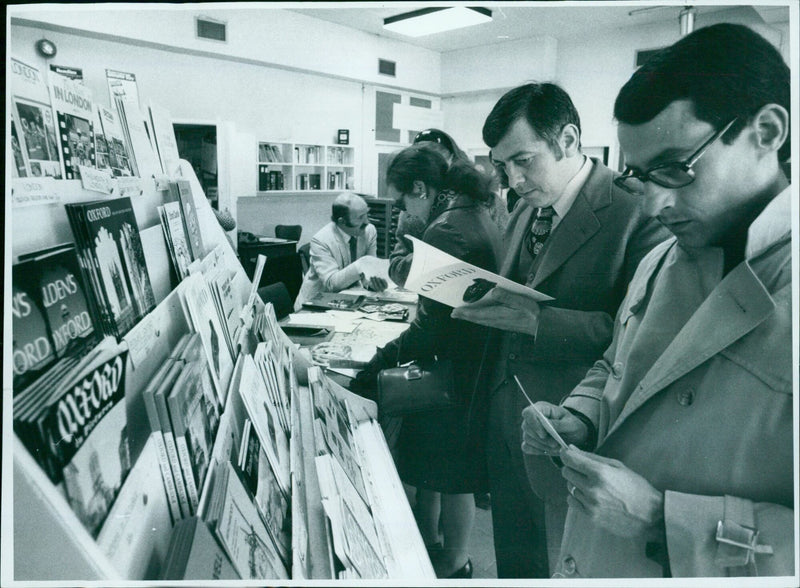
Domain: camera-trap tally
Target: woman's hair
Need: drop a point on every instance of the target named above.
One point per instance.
(426, 163)
(437, 137)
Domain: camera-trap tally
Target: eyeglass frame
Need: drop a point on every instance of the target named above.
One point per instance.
(686, 166)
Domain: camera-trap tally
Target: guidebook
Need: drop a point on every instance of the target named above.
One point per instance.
(74, 116)
(441, 277)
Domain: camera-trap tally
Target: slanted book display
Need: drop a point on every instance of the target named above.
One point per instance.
(163, 434)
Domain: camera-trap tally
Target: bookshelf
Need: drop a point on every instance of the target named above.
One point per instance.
(385, 218)
(306, 167)
(51, 544)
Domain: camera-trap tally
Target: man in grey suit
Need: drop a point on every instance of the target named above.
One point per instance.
(578, 238)
(338, 248)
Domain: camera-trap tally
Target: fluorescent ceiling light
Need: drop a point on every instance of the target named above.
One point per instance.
(427, 21)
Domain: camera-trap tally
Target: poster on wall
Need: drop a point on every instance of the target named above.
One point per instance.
(122, 84)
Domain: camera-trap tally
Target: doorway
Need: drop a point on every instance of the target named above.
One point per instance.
(197, 144)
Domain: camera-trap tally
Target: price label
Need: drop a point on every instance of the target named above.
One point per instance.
(94, 179)
(33, 191)
(129, 186)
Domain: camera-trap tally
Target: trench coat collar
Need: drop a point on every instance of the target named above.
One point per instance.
(738, 304)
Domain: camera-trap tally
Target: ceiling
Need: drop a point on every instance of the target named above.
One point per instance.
(508, 23)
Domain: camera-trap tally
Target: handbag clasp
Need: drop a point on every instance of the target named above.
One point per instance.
(414, 372)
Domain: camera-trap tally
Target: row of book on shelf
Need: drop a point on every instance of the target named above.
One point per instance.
(226, 472)
(58, 126)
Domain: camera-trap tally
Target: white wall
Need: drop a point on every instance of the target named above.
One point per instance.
(265, 33)
(591, 68)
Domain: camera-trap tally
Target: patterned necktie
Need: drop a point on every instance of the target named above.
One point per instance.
(353, 249)
(539, 231)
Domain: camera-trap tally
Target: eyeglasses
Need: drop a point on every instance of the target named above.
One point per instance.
(674, 174)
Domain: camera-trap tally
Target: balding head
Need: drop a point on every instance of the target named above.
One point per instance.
(349, 212)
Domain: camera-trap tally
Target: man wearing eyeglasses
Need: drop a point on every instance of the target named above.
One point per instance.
(339, 249)
(686, 422)
(578, 238)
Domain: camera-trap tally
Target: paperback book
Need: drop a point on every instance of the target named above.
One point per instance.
(242, 532)
(165, 142)
(118, 150)
(194, 554)
(21, 166)
(108, 241)
(50, 309)
(37, 133)
(175, 236)
(74, 116)
(78, 432)
(190, 219)
(195, 417)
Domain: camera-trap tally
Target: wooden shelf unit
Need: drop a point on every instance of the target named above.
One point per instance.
(385, 218)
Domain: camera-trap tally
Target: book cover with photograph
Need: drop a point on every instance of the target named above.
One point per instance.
(37, 132)
(74, 116)
(244, 535)
(260, 481)
(205, 320)
(112, 240)
(118, 150)
(21, 166)
(90, 438)
(175, 235)
(186, 199)
(102, 157)
(195, 418)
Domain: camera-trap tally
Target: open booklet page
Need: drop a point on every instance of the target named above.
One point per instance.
(440, 276)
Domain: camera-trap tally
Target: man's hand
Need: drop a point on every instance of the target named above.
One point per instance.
(535, 438)
(504, 310)
(375, 284)
(615, 497)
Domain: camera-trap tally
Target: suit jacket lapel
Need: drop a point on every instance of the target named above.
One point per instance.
(577, 226)
(734, 308)
(515, 241)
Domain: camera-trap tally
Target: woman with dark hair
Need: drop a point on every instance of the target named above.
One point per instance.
(442, 451)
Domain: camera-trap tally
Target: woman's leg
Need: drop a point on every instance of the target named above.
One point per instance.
(428, 511)
(458, 515)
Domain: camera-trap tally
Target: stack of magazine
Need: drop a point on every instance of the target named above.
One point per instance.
(112, 261)
(75, 426)
(184, 413)
(344, 495)
(194, 554)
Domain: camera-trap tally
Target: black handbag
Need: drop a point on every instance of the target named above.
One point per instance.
(417, 387)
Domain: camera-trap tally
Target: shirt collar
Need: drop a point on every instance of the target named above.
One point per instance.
(342, 235)
(573, 187)
(772, 224)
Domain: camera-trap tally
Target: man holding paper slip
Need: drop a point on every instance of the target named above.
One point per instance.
(684, 463)
(575, 237)
(343, 252)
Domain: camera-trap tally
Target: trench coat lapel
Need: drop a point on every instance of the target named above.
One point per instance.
(734, 308)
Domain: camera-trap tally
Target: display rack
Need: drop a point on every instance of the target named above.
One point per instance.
(293, 167)
(50, 543)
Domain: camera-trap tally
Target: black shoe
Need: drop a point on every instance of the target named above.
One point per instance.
(483, 500)
(463, 572)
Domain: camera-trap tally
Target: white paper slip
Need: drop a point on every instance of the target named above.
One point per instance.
(542, 419)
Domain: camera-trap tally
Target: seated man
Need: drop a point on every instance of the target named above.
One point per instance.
(337, 251)
(680, 461)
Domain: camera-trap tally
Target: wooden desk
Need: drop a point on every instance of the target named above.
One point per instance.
(283, 263)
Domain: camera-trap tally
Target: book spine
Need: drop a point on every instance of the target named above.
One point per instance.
(188, 471)
(166, 475)
(172, 453)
